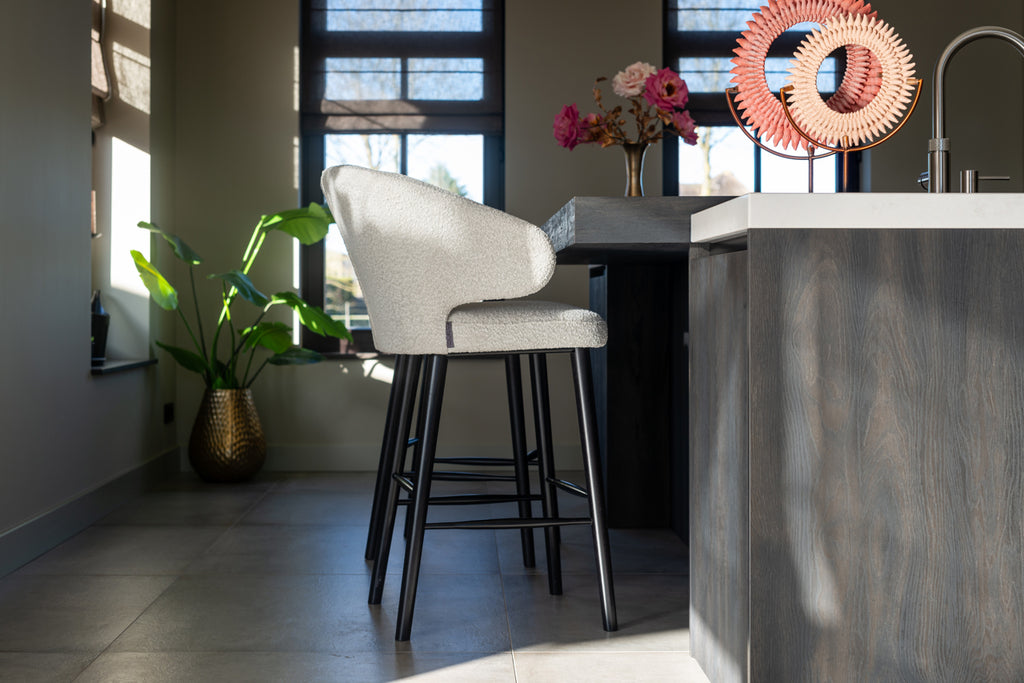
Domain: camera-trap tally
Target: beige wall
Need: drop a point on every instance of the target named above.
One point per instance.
(64, 433)
(985, 100)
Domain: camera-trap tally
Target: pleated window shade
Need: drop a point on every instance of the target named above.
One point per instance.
(100, 74)
(401, 65)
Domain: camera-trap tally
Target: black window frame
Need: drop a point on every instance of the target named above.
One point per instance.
(712, 109)
(320, 117)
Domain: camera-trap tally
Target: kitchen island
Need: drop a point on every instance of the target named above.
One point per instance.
(857, 438)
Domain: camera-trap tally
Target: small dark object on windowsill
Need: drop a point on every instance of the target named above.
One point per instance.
(100, 326)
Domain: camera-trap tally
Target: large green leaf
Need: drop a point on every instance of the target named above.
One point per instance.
(185, 358)
(181, 250)
(246, 289)
(296, 356)
(271, 335)
(165, 296)
(309, 225)
(313, 318)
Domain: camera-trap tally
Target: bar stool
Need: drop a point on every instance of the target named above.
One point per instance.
(519, 462)
(441, 276)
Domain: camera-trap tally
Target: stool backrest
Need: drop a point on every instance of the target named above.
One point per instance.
(419, 251)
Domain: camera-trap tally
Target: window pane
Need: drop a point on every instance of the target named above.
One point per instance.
(342, 296)
(721, 15)
(711, 74)
(382, 152)
(404, 15)
(446, 79)
(790, 175)
(706, 74)
(713, 15)
(363, 79)
(454, 162)
(721, 163)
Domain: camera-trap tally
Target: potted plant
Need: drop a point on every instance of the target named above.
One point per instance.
(227, 442)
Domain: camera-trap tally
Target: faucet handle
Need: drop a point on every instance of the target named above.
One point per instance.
(969, 179)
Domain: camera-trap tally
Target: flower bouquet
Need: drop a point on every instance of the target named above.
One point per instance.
(657, 100)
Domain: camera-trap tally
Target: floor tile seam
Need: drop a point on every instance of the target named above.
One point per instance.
(504, 601)
(531, 650)
(344, 652)
(131, 623)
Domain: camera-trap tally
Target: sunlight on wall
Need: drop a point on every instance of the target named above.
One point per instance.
(131, 73)
(374, 369)
(129, 198)
(137, 11)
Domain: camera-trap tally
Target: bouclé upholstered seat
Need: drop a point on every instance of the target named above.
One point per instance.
(442, 277)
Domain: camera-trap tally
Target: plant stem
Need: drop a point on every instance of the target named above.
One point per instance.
(258, 371)
(248, 258)
(194, 341)
(248, 366)
(199, 317)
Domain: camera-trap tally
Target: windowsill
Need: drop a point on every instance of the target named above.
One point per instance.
(113, 366)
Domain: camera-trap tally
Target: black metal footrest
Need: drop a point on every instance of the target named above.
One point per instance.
(474, 499)
(569, 487)
(471, 476)
(510, 523)
(477, 462)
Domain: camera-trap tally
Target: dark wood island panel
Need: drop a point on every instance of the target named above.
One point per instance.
(879, 494)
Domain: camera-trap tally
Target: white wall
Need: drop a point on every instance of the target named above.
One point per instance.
(65, 433)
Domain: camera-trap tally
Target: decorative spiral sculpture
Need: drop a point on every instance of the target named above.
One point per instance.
(895, 92)
(760, 108)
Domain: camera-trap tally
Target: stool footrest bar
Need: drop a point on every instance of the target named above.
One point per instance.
(475, 499)
(510, 523)
(570, 487)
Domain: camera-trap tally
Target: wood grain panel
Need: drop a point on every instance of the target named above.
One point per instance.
(719, 562)
(887, 433)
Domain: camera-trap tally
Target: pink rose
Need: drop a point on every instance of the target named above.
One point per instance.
(686, 126)
(567, 126)
(666, 90)
(630, 82)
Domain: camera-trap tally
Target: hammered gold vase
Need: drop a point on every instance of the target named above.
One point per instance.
(227, 442)
(634, 168)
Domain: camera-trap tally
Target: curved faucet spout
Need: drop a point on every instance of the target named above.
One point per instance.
(938, 146)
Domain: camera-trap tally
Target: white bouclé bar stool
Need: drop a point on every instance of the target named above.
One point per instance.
(441, 276)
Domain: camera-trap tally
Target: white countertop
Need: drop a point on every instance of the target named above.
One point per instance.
(911, 210)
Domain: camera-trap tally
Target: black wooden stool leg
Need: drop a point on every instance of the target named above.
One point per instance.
(384, 467)
(421, 416)
(582, 381)
(514, 381)
(549, 500)
(436, 368)
(404, 384)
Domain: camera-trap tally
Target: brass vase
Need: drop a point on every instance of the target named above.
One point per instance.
(227, 442)
(634, 168)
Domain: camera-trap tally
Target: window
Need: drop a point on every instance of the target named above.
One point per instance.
(410, 86)
(699, 39)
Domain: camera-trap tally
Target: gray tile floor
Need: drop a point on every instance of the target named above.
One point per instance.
(266, 581)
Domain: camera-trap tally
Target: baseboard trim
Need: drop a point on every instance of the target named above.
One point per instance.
(25, 542)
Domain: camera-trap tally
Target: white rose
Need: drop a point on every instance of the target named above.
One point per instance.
(630, 82)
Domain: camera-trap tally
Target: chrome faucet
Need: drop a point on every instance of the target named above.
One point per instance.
(938, 146)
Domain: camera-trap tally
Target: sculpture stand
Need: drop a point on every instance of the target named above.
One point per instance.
(814, 147)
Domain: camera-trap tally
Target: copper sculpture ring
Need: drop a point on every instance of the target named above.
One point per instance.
(760, 108)
(821, 123)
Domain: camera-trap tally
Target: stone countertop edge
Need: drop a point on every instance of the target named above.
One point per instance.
(866, 210)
